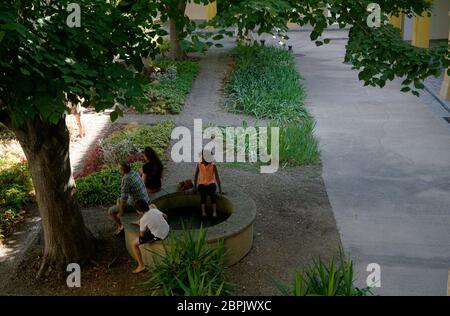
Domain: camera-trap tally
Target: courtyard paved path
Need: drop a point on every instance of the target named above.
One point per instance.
(386, 167)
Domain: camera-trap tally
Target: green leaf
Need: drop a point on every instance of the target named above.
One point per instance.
(24, 71)
(15, 27)
(418, 85)
(54, 117)
(405, 89)
(114, 116)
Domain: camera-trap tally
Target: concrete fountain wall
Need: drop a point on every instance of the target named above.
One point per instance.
(236, 230)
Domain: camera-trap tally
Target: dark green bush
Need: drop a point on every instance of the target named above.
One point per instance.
(325, 279)
(156, 136)
(265, 83)
(101, 188)
(15, 192)
(168, 96)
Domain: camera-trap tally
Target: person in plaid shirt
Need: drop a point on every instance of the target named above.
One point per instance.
(132, 189)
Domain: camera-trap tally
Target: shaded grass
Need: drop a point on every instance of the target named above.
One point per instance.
(156, 136)
(265, 84)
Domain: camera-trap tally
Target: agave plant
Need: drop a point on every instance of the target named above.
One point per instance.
(200, 285)
(325, 279)
(190, 267)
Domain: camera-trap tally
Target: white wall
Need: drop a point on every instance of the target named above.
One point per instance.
(407, 31)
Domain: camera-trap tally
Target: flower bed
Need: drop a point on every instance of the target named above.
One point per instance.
(169, 83)
(98, 183)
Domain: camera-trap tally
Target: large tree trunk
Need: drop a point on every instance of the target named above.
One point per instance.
(176, 53)
(46, 147)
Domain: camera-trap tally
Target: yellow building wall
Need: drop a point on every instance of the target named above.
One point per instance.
(201, 12)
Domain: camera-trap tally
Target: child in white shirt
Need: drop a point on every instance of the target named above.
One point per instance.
(152, 227)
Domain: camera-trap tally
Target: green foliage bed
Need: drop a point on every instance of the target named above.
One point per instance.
(167, 96)
(265, 83)
(100, 188)
(321, 278)
(156, 136)
(190, 267)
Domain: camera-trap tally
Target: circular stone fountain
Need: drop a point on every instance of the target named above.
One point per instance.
(234, 224)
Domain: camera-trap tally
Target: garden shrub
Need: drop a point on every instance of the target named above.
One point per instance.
(115, 153)
(190, 267)
(93, 162)
(325, 279)
(265, 83)
(101, 188)
(168, 73)
(167, 92)
(15, 192)
(140, 136)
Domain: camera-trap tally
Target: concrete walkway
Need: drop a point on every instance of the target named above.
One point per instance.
(386, 162)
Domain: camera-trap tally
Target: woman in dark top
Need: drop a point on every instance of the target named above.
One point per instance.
(152, 171)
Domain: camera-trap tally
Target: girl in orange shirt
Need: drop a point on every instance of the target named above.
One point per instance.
(207, 177)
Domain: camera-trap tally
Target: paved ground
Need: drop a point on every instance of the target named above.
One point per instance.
(386, 167)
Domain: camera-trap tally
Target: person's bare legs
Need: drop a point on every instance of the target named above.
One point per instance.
(80, 126)
(83, 130)
(138, 257)
(214, 209)
(203, 210)
(83, 126)
(113, 212)
(119, 225)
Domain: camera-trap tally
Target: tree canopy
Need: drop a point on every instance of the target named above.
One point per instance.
(379, 53)
(42, 58)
